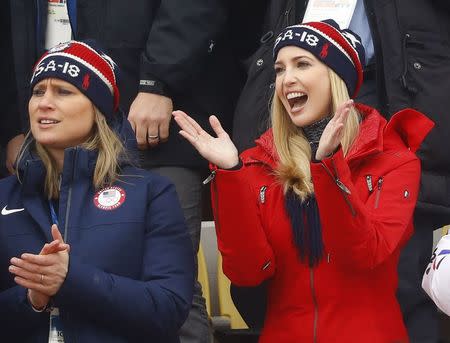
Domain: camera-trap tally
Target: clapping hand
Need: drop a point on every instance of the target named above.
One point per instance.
(332, 135)
(42, 274)
(218, 150)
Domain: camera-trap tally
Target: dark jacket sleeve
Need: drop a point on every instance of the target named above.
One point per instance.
(17, 317)
(444, 4)
(10, 120)
(155, 306)
(178, 43)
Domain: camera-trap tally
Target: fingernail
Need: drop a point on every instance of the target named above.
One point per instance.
(11, 268)
(14, 260)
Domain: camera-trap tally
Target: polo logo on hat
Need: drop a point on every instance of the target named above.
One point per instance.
(86, 81)
(324, 51)
(109, 198)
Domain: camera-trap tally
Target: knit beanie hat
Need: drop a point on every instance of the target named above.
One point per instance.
(341, 50)
(85, 66)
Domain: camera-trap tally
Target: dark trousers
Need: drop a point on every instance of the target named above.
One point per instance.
(188, 183)
(419, 312)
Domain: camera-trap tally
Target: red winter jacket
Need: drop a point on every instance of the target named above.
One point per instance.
(366, 201)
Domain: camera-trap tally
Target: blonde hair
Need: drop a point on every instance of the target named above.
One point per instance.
(110, 150)
(294, 151)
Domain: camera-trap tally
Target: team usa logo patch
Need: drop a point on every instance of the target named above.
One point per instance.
(109, 198)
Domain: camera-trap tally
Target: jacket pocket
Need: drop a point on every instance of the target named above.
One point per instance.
(378, 192)
(424, 54)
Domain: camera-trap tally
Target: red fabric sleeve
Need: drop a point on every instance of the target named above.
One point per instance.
(248, 259)
(365, 234)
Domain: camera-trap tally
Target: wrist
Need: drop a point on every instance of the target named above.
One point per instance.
(38, 305)
(237, 166)
(230, 165)
(322, 155)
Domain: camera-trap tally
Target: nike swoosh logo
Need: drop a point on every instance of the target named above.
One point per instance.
(5, 212)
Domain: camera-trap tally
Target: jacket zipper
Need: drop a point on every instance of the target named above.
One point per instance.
(379, 185)
(65, 315)
(286, 16)
(210, 177)
(316, 307)
(216, 201)
(369, 183)
(344, 189)
(69, 197)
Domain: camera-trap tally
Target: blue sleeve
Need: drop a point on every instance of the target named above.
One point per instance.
(158, 304)
(17, 318)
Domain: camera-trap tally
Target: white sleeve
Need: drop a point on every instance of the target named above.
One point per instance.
(436, 279)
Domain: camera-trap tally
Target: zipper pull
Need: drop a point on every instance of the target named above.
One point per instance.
(262, 194)
(210, 177)
(369, 183)
(380, 183)
(342, 186)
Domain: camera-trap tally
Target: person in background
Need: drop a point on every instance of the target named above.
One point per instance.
(11, 128)
(92, 249)
(322, 206)
(436, 278)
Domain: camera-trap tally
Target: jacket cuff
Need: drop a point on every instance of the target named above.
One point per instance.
(150, 84)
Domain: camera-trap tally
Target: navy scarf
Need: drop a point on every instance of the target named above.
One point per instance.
(306, 227)
(304, 215)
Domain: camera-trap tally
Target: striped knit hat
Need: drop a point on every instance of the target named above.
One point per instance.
(86, 67)
(341, 50)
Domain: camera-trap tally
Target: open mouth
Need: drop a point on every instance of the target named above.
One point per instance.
(296, 100)
(48, 121)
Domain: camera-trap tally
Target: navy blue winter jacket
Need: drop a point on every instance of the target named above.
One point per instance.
(131, 267)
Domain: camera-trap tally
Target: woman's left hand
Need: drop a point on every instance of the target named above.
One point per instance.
(42, 273)
(332, 135)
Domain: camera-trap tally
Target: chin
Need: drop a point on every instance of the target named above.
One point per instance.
(301, 120)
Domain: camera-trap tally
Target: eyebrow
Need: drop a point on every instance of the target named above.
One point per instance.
(295, 58)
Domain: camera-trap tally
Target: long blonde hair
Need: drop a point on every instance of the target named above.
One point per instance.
(107, 169)
(293, 149)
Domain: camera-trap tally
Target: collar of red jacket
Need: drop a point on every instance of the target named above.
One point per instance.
(408, 125)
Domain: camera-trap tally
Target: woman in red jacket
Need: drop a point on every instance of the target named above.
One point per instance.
(323, 204)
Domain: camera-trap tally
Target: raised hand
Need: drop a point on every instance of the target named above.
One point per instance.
(332, 135)
(218, 150)
(43, 273)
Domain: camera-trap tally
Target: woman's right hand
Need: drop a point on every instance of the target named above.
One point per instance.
(44, 273)
(37, 299)
(220, 150)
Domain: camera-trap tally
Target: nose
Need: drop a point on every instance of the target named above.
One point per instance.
(289, 77)
(46, 100)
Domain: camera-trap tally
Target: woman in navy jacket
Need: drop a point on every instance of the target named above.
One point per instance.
(92, 249)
